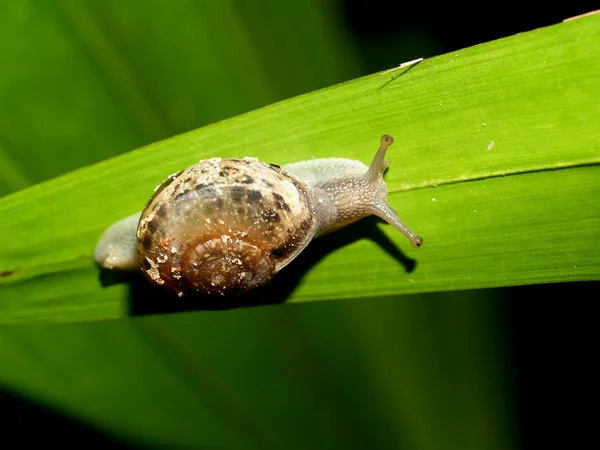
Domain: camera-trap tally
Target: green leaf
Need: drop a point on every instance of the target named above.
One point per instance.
(495, 165)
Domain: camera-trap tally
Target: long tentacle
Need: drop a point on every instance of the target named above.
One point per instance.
(384, 211)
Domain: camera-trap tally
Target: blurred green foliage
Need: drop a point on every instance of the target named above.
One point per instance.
(82, 81)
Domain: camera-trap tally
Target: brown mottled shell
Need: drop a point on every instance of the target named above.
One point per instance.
(224, 226)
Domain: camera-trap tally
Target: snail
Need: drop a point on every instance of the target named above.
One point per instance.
(227, 226)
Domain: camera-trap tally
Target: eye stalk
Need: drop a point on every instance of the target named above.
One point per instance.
(379, 163)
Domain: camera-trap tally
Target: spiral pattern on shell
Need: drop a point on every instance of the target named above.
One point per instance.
(223, 226)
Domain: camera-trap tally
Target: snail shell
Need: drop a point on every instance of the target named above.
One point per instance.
(226, 226)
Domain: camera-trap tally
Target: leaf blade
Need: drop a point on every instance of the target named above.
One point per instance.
(520, 106)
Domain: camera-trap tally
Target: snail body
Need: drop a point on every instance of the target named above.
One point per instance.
(227, 226)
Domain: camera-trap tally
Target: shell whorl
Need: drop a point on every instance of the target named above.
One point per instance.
(223, 226)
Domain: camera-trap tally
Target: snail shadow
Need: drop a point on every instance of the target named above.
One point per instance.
(145, 299)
